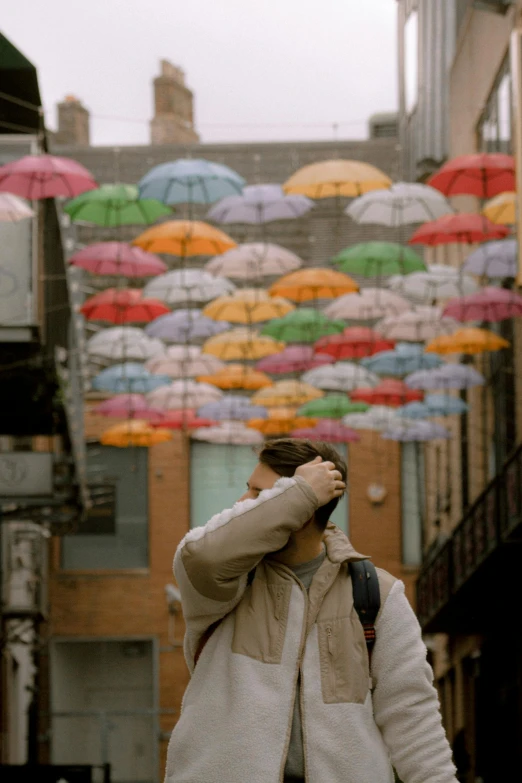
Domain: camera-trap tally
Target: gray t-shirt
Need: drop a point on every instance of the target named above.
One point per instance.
(294, 769)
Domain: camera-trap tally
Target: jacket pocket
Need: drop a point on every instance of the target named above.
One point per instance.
(260, 621)
(343, 661)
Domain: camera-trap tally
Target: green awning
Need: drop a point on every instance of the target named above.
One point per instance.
(19, 91)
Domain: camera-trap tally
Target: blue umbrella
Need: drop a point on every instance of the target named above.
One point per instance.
(423, 431)
(414, 410)
(403, 360)
(445, 405)
(232, 408)
(127, 378)
(184, 325)
(449, 376)
(190, 181)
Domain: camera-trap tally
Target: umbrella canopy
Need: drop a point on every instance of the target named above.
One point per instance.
(388, 392)
(367, 305)
(313, 283)
(449, 376)
(502, 209)
(280, 421)
(242, 343)
(190, 181)
(434, 405)
(438, 282)
(13, 208)
(409, 431)
(122, 306)
(494, 259)
(238, 376)
(286, 393)
(490, 304)
(185, 418)
(468, 340)
(400, 205)
(483, 175)
(378, 418)
(184, 361)
(128, 378)
(187, 285)
(292, 359)
(184, 238)
(184, 326)
(183, 394)
(254, 260)
(45, 176)
(259, 204)
(129, 406)
(117, 258)
(233, 408)
(378, 259)
(331, 406)
(405, 359)
(341, 376)
(329, 431)
(230, 432)
(304, 325)
(124, 342)
(423, 323)
(464, 228)
(115, 205)
(354, 342)
(248, 306)
(333, 178)
(134, 432)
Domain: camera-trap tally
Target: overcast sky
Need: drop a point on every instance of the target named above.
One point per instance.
(260, 70)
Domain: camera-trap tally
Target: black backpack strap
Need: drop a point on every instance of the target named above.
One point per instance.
(251, 575)
(366, 597)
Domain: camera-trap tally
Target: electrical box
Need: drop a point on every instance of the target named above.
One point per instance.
(24, 570)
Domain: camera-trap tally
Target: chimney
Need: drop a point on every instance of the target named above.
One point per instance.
(73, 123)
(173, 121)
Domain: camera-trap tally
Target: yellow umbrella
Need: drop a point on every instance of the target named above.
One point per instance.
(135, 432)
(502, 208)
(313, 283)
(331, 178)
(247, 306)
(287, 393)
(467, 340)
(281, 421)
(238, 376)
(242, 343)
(185, 238)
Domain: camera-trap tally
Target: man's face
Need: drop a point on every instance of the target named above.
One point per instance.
(262, 478)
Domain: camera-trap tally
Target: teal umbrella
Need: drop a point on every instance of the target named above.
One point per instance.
(378, 259)
(332, 406)
(303, 325)
(116, 205)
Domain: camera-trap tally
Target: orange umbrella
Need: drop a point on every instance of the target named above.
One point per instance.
(502, 208)
(467, 340)
(242, 344)
(313, 283)
(238, 376)
(185, 238)
(286, 393)
(135, 432)
(247, 306)
(332, 178)
(281, 421)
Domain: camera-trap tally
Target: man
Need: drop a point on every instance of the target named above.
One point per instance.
(281, 687)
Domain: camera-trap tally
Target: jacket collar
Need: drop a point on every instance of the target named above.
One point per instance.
(338, 546)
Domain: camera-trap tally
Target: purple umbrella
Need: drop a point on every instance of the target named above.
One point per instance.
(450, 376)
(294, 358)
(232, 407)
(183, 326)
(329, 430)
(260, 204)
(491, 304)
(408, 431)
(494, 259)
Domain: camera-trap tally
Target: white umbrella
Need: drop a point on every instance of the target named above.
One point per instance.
(187, 285)
(183, 394)
(13, 208)
(423, 323)
(184, 361)
(259, 204)
(341, 376)
(406, 431)
(120, 343)
(402, 204)
(367, 305)
(378, 417)
(232, 432)
(439, 282)
(449, 376)
(254, 260)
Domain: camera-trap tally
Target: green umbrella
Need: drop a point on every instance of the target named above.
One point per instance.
(111, 206)
(303, 325)
(375, 259)
(332, 406)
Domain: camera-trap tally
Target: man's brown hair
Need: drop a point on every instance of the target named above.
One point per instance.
(285, 455)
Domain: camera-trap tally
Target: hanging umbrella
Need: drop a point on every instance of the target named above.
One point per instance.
(45, 176)
(184, 361)
(341, 376)
(187, 286)
(254, 260)
(242, 344)
(468, 340)
(286, 393)
(190, 181)
(129, 406)
(184, 238)
(414, 410)
(233, 407)
(409, 431)
(490, 304)
(186, 418)
(449, 376)
(502, 209)
(405, 359)
(123, 343)
(438, 282)
(292, 359)
(354, 342)
(184, 326)
(117, 258)
(331, 406)
(229, 432)
(259, 204)
(280, 421)
(238, 376)
(304, 325)
(313, 283)
(378, 259)
(403, 203)
(121, 306)
(334, 178)
(388, 392)
(183, 394)
(13, 208)
(110, 206)
(134, 433)
(494, 259)
(367, 305)
(464, 228)
(327, 431)
(434, 405)
(378, 418)
(247, 306)
(127, 378)
(483, 175)
(423, 323)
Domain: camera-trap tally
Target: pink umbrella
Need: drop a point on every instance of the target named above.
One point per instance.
(294, 358)
(490, 304)
(184, 418)
(118, 258)
(130, 406)
(329, 430)
(45, 176)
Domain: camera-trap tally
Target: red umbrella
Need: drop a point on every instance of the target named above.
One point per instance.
(464, 228)
(354, 342)
(388, 392)
(483, 175)
(122, 307)
(45, 176)
(184, 417)
(118, 258)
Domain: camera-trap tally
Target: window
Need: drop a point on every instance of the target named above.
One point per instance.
(411, 61)
(413, 494)
(128, 548)
(494, 127)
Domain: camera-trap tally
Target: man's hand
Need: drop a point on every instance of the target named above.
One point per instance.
(324, 478)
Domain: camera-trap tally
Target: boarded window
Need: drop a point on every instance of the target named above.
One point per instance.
(412, 477)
